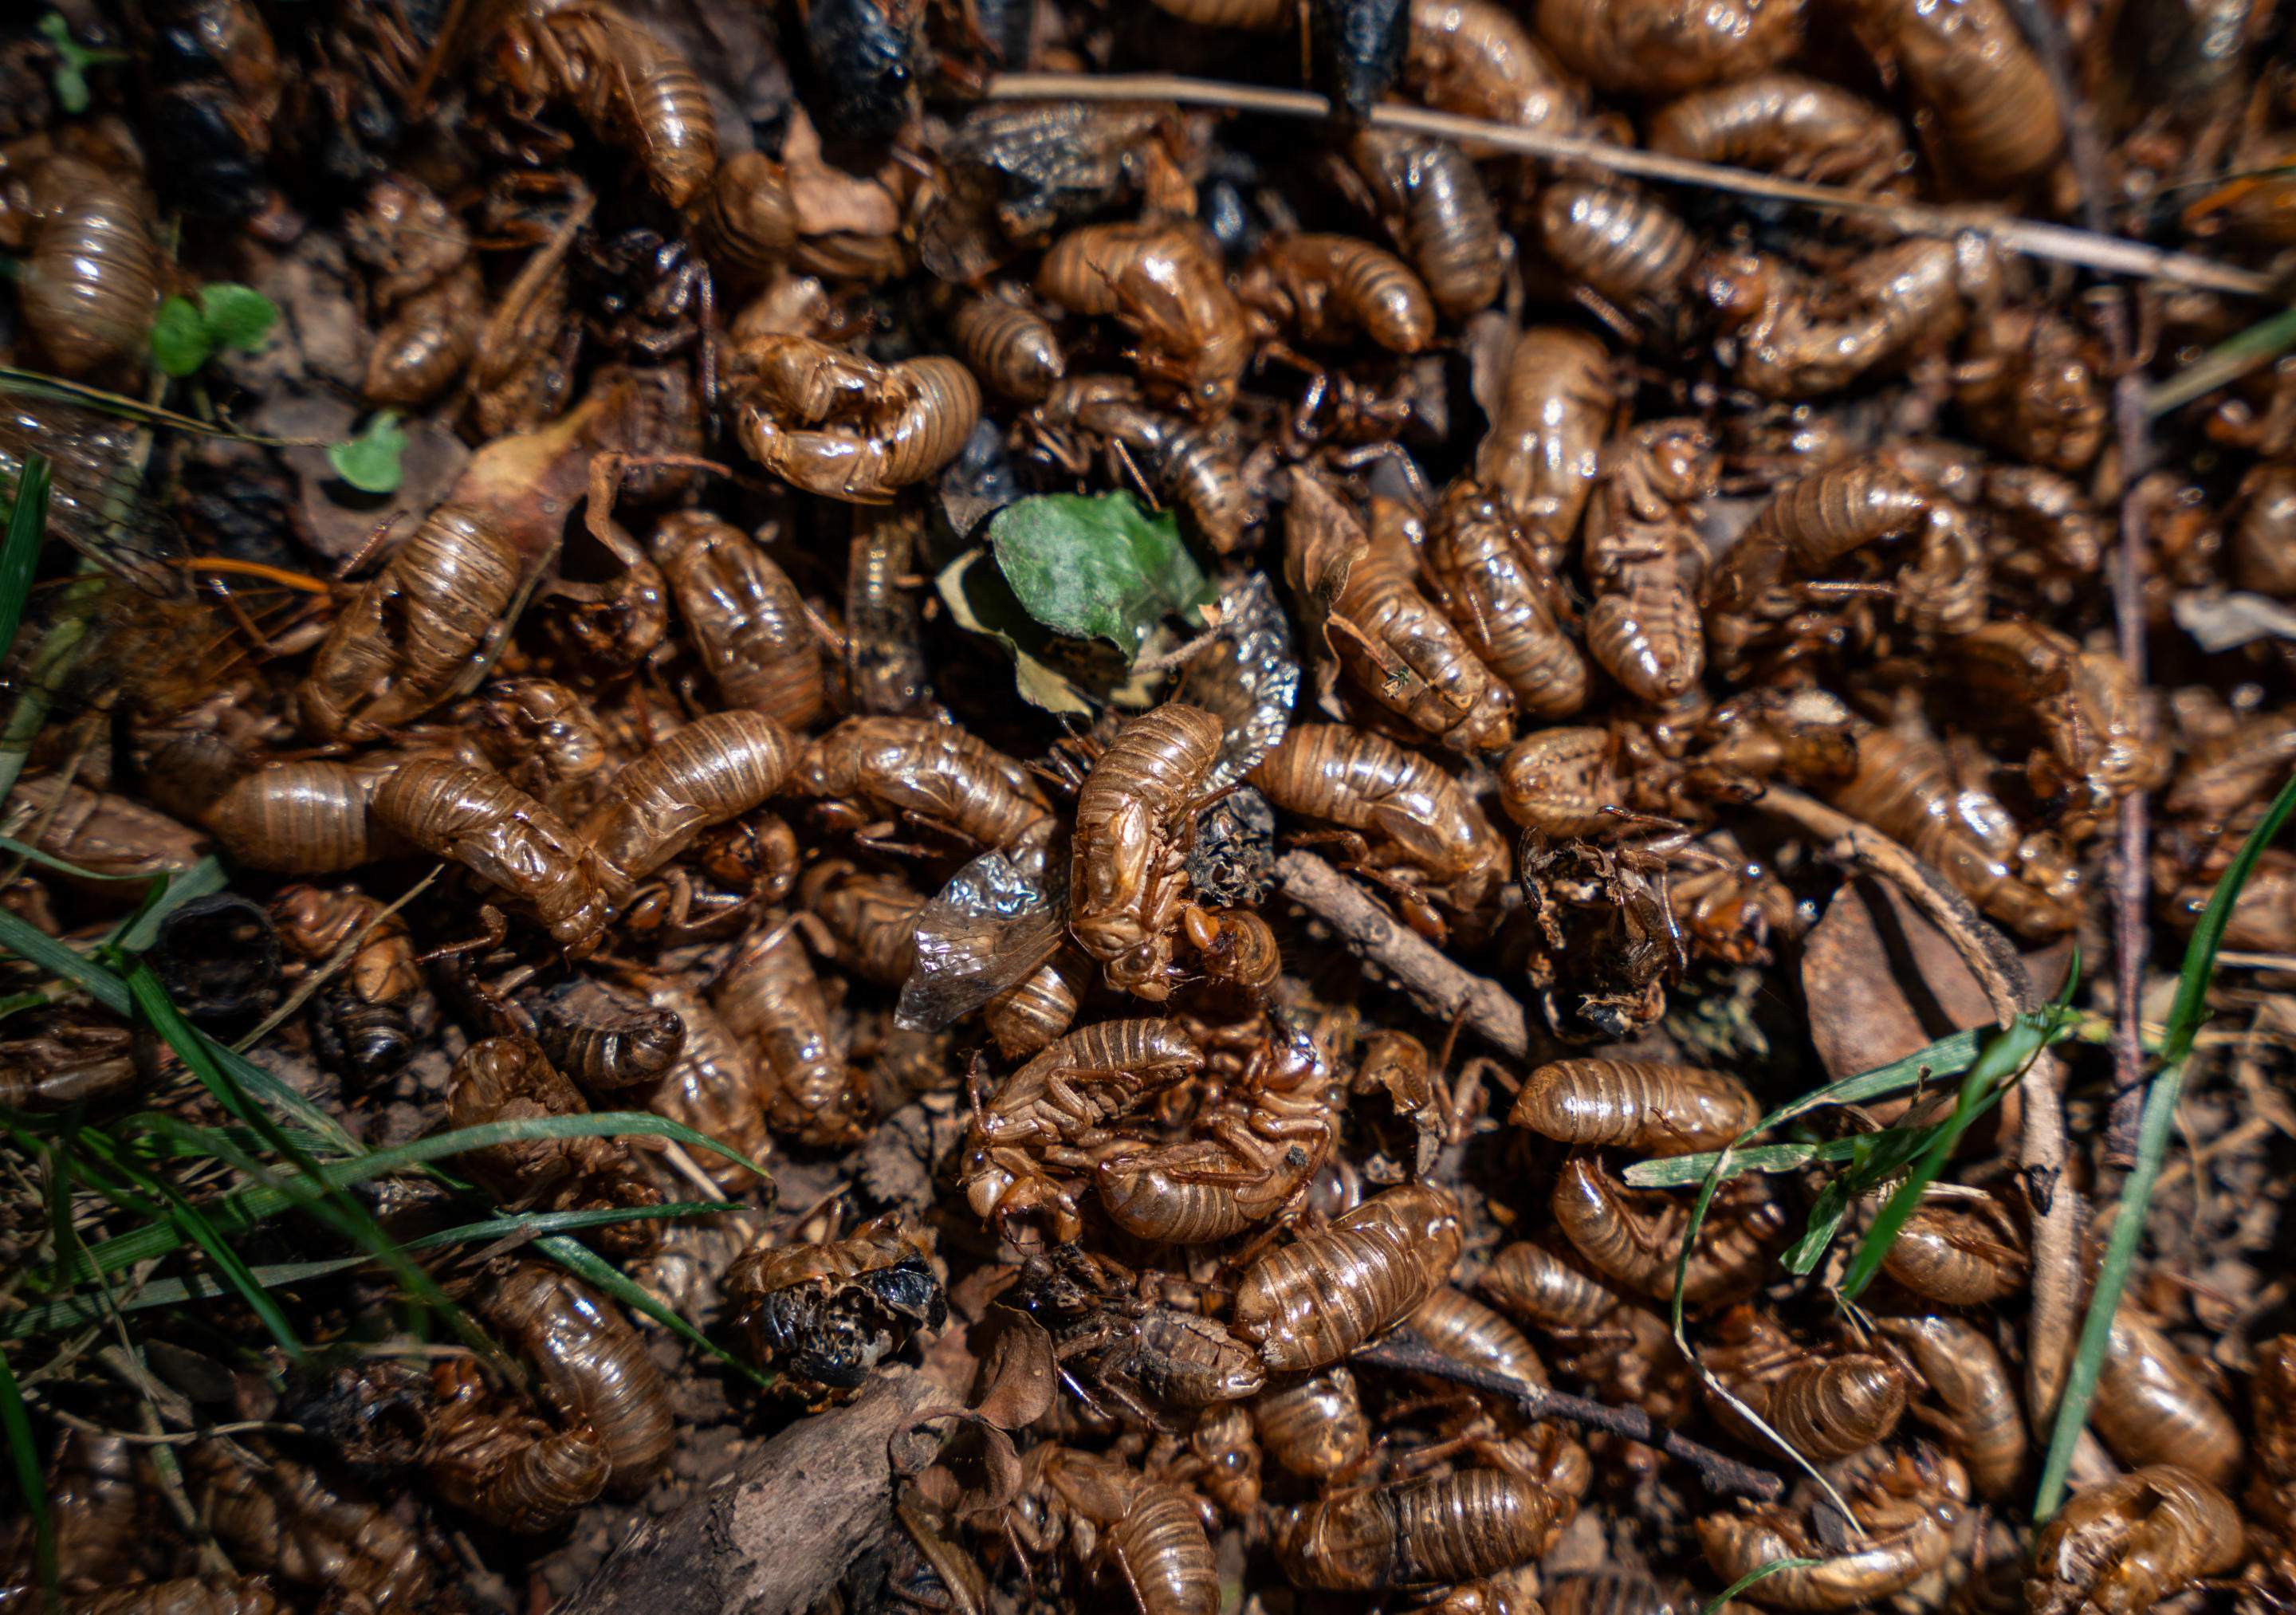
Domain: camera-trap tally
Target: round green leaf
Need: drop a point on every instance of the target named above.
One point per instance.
(237, 317)
(1096, 568)
(180, 343)
(369, 461)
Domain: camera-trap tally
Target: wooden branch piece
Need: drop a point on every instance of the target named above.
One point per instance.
(1407, 1353)
(774, 1536)
(1441, 987)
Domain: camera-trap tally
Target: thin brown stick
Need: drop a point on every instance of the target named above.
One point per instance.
(1407, 1353)
(2131, 428)
(335, 962)
(1990, 958)
(2106, 254)
(1441, 987)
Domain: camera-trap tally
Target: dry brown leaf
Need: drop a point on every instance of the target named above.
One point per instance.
(994, 1458)
(829, 201)
(1017, 1381)
(1882, 982)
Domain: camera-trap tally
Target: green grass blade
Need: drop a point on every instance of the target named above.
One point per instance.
(82, 1307)
(17, 1424)
(1827, 1213)
(2004, 1060)
(1948, 1056)
(193, 1228)
(33, 855)
(93, 1152)
(2227, 362)
(1749, 1580)
(205, 1058)
(587, 1265)
(2185, 1015)
(141, 929)
(1681, 1171)
(247, 1207)
(19, 551)
(107, 988)
(26, 941)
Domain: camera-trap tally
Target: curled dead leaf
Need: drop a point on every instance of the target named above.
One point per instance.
(829, 201)
(1882, 982)
(998, 1462)
(1018, 1379)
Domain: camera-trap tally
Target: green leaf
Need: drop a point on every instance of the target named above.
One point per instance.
(70, 77)
(982, 603)
(1096, 568)
(2185, 1015)
(369, 461)
(19, 551)
(237, 317)
(180, 343)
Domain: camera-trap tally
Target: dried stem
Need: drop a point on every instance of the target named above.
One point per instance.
(2106, 254)
(1990, 958)
(1441, 987)
(1406, 1352)
(2133, 870)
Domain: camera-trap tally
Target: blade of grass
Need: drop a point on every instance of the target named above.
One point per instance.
(1897, 1074)
(587, 1264)
(140, 930)
(2185, 1015)
(81, 1307)
(26, 941)
(1752, 1577)
(107, 988)
(17, 1424)
(2006, 1059)
(2227, 362)
(33, 855)
(1682, 1171)
(32, 384)
(201, 1053)
(193, 1226)
(1948, 1056)
(20, 552)
(244, 1208)
(61, 649)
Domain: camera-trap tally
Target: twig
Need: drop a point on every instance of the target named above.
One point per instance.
(2041, 1146)
(2129, 415)
(1406, 1352)
(335, 962)
(2106, 254)
(1990, 958)
(1441, 987)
